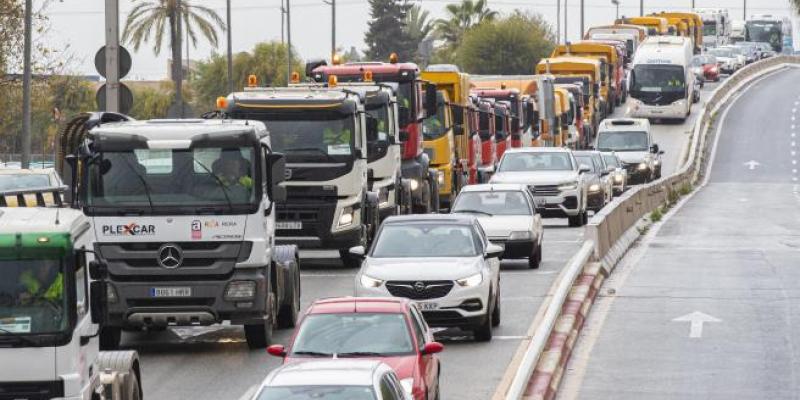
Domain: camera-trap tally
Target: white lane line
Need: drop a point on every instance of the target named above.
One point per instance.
(794, 110)
(511, 337)
(794, 170)
(793, 134)
(249, 393)
(793, 126)
(794, 161)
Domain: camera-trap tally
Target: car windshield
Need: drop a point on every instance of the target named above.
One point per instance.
(587, 161)
(530, 161)
(622, 141)
(24, 181)
(311, 392)
(721, 53)
(382, 334)
(611, 160)
(32, 299)
(709, 28)
(658, 78)
(310, 135)
(430, 240)
(146, 179)
(493, 203)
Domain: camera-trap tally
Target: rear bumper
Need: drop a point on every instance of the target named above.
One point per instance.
(562, 206)
(516, 248)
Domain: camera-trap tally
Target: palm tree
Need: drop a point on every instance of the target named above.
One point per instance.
(155, 17)
(419, 29)
(462, 17)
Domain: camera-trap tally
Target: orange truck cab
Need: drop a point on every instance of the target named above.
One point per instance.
(623, 60)
(414, 106)
(578, 139)
(502, 123)
(474, 147)
(656, 26)
(694, 26)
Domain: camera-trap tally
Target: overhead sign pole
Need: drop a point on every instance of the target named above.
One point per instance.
(112, 55)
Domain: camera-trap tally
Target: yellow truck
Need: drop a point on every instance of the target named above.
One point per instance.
(612, 71)
(656, 26)
(582, 71)
(446, 137)
(694, 23)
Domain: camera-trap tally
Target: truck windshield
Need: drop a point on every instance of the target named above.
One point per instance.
(378, 140)
(710, 28)
(159, 179)
(32, 299)
(406, 98)
(436, 127)
(311, 135)
(622, 141)
(529, 161)
(658, 78)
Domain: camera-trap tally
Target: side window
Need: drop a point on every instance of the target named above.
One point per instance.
(388, 392)
(81, 283)
(416, 325)
(264, 176)
(481, 237)
(398, 388)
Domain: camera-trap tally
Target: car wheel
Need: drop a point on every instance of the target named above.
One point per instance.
(484, 332)
(575, 221)
(535, 258)
(496, 311)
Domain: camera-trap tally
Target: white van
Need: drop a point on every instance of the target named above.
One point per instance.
(661, 81)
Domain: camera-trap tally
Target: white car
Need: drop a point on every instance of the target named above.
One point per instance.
(507, 212)
(631, 140)
(444, 262)
(560, 185)
(332, 379)
(26, 179)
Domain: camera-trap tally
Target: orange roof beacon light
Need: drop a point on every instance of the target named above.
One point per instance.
(252, 81)
(295, 77)
(393, 58)
(336, 59)
(503, 85)
(367, 76)
(222, 103)
(332, 81)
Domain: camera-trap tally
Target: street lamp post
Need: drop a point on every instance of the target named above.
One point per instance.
(583, 27)
(288, 41)
(558, 21)
(616, 3)
(230, 47)
(566, 21)
(26, 87)
(641, 8)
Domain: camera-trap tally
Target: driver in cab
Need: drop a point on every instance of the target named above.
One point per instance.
(40, 284)
(232, 169)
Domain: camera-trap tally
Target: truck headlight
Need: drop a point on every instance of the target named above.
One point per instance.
(414, 185)
(594, 188)
(368, 282)
(519, 235)
(346, 218)
(618, 178)
(111, 294)
(642, 166)
(240, 290)
(568, 186)
(470, 281)
(440, 178)
(408, 385)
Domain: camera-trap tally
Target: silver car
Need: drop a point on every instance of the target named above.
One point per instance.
(619, 176)
(334, 379)
(444, 262)
(507, 213)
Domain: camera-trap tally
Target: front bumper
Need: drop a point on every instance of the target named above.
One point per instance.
(462, 307)
(318, 219)
(638, 176)
(675, 110)
(595, 200)
(137, 306)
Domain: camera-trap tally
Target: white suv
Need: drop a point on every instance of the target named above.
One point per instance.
(632, 141)
(443, 262)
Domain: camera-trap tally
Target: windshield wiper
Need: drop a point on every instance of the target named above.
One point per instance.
(312, 149)
(312, 353)
(473, 211)
(16, 336)
(143, 181)
(219, 182)
(360, 354)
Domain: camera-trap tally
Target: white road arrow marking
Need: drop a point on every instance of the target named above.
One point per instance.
(752, 164)
(697, 319)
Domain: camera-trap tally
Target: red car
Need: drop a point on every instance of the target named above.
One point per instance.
(705, 66)
(391, 330)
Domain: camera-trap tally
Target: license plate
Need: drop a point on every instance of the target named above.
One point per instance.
(428, 306)
(294, 225)
(171, 292)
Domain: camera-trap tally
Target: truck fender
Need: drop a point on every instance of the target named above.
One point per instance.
(287, 267)
(122, 367)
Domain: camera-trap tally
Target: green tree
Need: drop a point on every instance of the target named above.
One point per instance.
(507, 46)
(150, 103)
(267, 61)
(386, 32)
(461, 17)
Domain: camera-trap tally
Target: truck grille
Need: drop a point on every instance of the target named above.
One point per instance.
(43, 390)
(289, 214)
(413, 290)
(546, 190)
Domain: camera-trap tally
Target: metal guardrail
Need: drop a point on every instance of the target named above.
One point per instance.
(611, 224)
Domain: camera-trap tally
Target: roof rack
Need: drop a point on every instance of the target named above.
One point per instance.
(36, 197)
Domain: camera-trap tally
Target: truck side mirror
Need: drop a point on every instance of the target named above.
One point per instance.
(431, 102)
(277, 174)
(654, 148)
(403, 115)
(403, 135)
(98, 297)
(98, 270)
(372, 129)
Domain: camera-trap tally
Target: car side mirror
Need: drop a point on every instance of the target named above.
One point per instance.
(276, 163)
(494, 251)
(98, 296)
(276, 350)
(654, 149)
(358, 251)
(583, 168)
(660, 152)
(359, 153)
(432, 348)
(391, 140)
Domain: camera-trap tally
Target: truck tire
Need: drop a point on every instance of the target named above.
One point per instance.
(424, 206)
(123, 362)
(434, 189)
(286, 259)
(110, 338)
(259, 336)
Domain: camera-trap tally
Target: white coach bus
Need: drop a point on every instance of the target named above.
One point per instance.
(662, 84)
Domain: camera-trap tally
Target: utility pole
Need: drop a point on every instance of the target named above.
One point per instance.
(283, 23)
(26, 87)
(641, 8)
(583, 27)
(288, 41)
(188, 59)
(744, 11)
(177, 62)
(616, 3)
(333, 29)
(112, 55)
(230, 46)
(566, 20)
(558, 21)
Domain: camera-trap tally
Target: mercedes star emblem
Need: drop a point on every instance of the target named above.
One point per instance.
(419, 286)
(170, 256)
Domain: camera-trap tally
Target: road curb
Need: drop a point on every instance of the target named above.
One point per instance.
(543, 385)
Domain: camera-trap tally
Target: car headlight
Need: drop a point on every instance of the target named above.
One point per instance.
(472, 280)
(408, 385)
(642, 166)
(414, 185)
(594, 188)
(440, 178)
(568, 186)
(519, 235)
(618, 178)
(346, 218)
(368, 282)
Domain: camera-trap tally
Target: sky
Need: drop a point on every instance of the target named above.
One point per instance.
(77, 26)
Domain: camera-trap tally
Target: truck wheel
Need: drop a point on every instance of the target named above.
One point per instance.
(110, 338)
(259, 336)
(425, 202)
(287, 317)
(134, 390)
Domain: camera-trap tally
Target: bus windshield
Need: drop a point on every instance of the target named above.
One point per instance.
(658, 78)
(764, 31)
